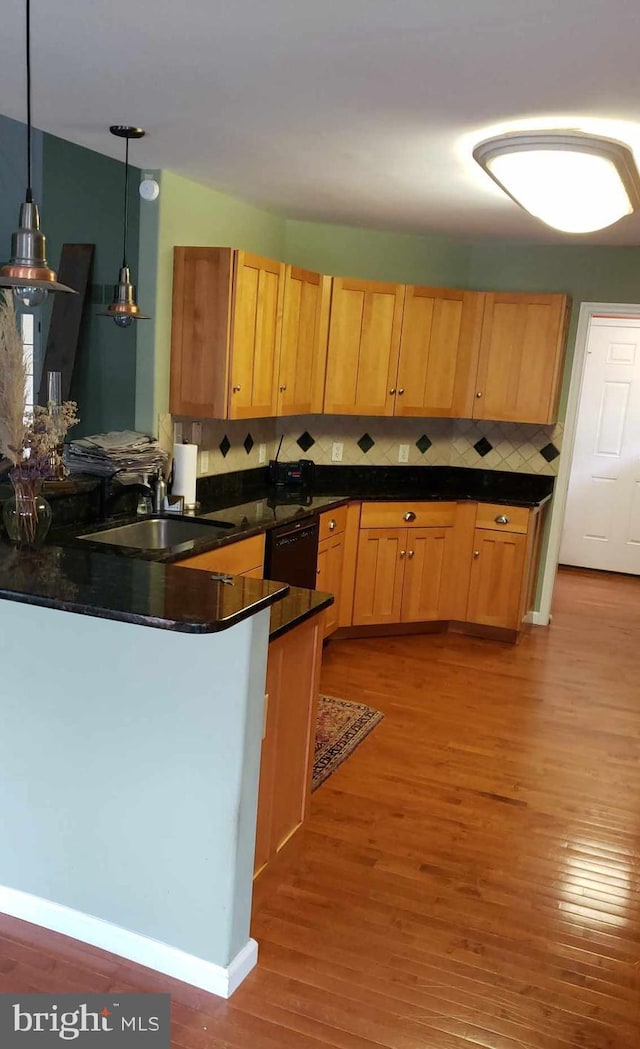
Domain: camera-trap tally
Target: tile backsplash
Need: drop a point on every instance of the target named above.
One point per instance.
(375, 441)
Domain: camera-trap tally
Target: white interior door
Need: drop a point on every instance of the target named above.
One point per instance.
(602, 520)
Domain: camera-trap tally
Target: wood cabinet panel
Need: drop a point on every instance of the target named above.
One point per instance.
(425, 574)
(379, 576)
(255, 339)
(392, 514)
(497, 578)
(439, 349)
(503, 518)
(303, 345)
(363, 346)
(246, 557)
(521, 351)
(329, 576)
(332, 522)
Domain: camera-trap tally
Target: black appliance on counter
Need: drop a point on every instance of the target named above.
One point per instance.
(298, 474)
(292, 553)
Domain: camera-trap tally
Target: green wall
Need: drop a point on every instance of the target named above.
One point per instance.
(83, 203)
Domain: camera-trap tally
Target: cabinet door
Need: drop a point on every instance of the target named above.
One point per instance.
(329, 577)
(303, 346)
(521, 352)
(425, 576)
(497, 578)
(255, 336)
(439, 352)
(245, 557)
(379, 576)
(202, 290)
(364, 341)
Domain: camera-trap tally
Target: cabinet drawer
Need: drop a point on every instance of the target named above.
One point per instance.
(236, 558)
(332, 522)
(393, 515)
(508, 518)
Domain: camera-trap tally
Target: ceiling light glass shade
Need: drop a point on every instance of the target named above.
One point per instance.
(124, 309)
(573, 182)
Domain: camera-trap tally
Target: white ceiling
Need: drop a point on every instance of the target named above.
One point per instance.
(353, 111)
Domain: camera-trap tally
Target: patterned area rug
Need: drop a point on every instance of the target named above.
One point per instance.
(340, 727)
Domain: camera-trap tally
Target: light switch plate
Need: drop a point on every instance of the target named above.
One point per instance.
(204, 462)
(177, 433)
(403, 453)
(337, 449)
(262, 453)
(196, 433)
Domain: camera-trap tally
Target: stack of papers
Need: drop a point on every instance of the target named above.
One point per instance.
(106, 454)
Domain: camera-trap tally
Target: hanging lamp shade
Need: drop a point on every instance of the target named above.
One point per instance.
(123, 308)
(27, 272)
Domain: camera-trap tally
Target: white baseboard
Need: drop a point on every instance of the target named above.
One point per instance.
(218, 979)
(538, 619)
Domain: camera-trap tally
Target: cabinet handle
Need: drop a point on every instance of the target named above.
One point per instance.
(476, 553)
(235, 389)
(317, 571)
(332, 525)
(409, 516)
(411, 553)
(401, 390)
(502, 519)
(479, 393)
(402, 553)
(392, 390)
(283, 388)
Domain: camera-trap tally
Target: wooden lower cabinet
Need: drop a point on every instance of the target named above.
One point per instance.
(286, 766)
(496, 579)
(329, 576)
(401, 575)
(246, 557)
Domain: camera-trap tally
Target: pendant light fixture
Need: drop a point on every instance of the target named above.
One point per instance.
(27, 272)
(124, 308)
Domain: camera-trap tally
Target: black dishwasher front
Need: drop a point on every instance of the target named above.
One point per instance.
(292, 553)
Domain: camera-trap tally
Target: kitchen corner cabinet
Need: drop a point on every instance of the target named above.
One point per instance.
(439, 347)
(303, 345)
(363, 347)
(225, 334)
(521, 352)
(504, 555)
(330, 562)
(286, 764)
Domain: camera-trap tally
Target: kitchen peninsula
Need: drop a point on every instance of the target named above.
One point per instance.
(132, 713)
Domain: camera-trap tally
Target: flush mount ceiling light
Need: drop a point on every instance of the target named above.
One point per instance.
(124, 309)
(27, 272)
(570, 180)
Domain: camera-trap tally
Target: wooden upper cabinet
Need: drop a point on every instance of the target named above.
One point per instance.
(439, 352)
(521, 353)
(364, 342)
(303, 345)
(255, 336)
(225, 335)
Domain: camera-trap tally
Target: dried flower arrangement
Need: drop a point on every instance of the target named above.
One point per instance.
(29, 439)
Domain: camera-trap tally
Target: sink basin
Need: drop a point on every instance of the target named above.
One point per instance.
(158, 533)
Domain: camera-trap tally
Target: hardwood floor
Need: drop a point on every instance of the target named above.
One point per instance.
(470, 877)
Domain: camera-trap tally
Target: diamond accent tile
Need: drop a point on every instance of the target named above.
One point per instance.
(483, 447)
(305, 441)
(248, 443)
(423, 443)
(549, 452)
(224, 446)
(365, 443)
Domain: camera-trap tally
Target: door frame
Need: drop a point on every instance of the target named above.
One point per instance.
(588, 310)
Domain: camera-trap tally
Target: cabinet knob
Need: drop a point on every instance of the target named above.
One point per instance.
(401, 390)
(411, 553)
(502, 519)
(317, 571)
(402, 553)
(409, 516)
(392, 390)
(332, 525)
(479, 393)
(235, 389)
(283, 388)
(476, 553)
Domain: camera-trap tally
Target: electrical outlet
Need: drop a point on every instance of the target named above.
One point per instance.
(204, 462)
(403, 453)
(196, 433)
(177, 433)
(337, 449)
(262, 453)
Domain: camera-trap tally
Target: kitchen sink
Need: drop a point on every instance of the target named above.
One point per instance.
(158, 533)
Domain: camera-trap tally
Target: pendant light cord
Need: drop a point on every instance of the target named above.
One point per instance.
(29, 186)
(126, 203)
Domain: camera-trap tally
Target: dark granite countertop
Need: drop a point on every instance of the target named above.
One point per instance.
(298, 605)
(131, 590)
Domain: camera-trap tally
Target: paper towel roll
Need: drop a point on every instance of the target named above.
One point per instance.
(185, 471)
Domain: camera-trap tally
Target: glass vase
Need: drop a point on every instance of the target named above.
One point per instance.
(27, 514)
